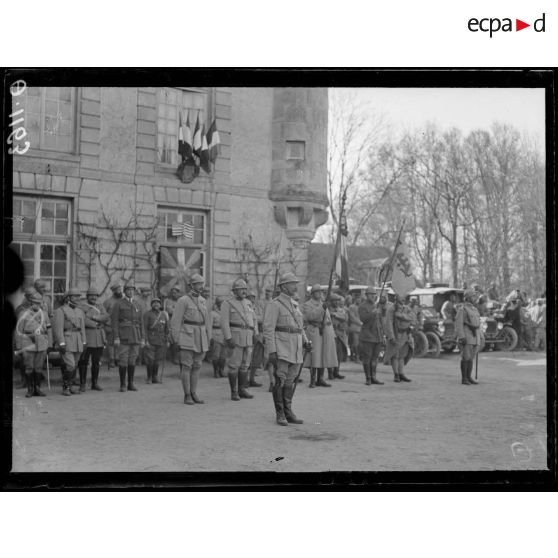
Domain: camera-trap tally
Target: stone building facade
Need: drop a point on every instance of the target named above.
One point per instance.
(98, 192)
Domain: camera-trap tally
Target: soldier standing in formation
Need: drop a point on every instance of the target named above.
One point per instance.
(400, 344)
(355, 326)
(32, 340)
(469, 335)
(258, 349)
(128, 334)
(156, 327)
(239, 325)
(286, 341)
(168, 306)
(340, 321)
(320, 332)
(371, 337)
(95, 318)
(25, 304)
(109, 303)
(69, 334)
(218, 348)
(190, 328)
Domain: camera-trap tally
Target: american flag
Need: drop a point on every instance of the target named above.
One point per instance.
(183, 229)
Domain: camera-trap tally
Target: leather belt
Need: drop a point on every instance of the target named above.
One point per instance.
(319, 324)
(191, 322)
(288, 329)
(73, 329)
(241, 326)
(216, 327)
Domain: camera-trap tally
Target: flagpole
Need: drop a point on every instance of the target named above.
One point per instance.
(391, 259)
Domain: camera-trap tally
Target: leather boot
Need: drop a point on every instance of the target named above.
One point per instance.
(242, 382)
(233, 377)
(253, 382)
(154, 373)
(464, 374)
(30, 380)
(131, 370)
(373, 378)
(38, 379)
(312, 383)
(122, 374)
(149, 374)
(321, 382)
(288, 392)
(65, 382)
(472, 381)
(366, 373)
(95, 377)
(73, 382)
(185, 378)
(222, 368)
(336, 374)
(82, 377)
(194, 376)
(402, 376)
(278, 402)
(215, 368)
(395, 368)
(330, 374)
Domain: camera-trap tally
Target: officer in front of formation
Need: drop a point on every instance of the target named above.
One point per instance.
(96, 318)
(239, 325)
(156, 326)
(469, 335)
(68, 329)
(190, 330)
(284, 336)
(371, 338)
(128, 334)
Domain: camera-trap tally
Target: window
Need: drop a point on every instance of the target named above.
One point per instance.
(296, 150)
(173, 104)
(183, 246)
(41, 238)
(49, 114)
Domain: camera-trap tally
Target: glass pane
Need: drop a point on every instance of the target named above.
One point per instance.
(51, 108)
(46, 252)
(59, 285)
(17, 207)
(46, 269)
(63, 143)
(66, 110)
(198, 237)
(66, 127)
(33, 91)
(28, 225)
(33, 105)
(27, 252)
(61, 227)
(47, 226)
(61, 210)
(60, 269)
(29, 208)
(52, 92)
(51, 125)
(48, 209)
(60, 253)
(65, 93)
(198, 221)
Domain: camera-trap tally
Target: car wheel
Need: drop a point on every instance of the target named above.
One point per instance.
(510, 339)
(434, 345)
(421, 344)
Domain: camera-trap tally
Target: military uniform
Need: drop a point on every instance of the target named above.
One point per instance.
(32, 340)
(190, 329)
(400, 345)
(448, 311)
(169, 305)
(69, 334)
(371, 338)
(218, 349)
(109, 305)
(355, 326)
(239, 325)
(129, 337)
(285, 337)
(258, 350)
(340, 321)
(156, 326)
(469, 335)
(96, 318)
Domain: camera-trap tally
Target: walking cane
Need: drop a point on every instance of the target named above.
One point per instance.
(304, 353)
(48, 372)
(477, 366)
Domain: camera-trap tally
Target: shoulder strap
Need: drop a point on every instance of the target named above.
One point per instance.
(290, 311)
(239, 312)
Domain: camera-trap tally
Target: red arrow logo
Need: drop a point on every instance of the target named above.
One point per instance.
(519, 25)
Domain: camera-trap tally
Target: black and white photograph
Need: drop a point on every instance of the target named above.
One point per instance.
(221, 273)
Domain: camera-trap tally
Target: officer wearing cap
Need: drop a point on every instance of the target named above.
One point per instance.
(286, 340)
(469, 335)
(109, 303)
(32, 340)
(371, 336)
(320, 333)
(129, 335)
(218, 349)
(96, 318)
(190, 329)
(156, 325)
(239, 325)
(168, 306)
(68, 328)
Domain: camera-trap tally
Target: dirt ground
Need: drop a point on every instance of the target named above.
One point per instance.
(431, 424)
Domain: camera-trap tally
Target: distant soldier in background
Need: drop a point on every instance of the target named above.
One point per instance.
(371, 335)
(239, 325)
(32, 340)
(144, 303)
(156, 327)
(340, 321)
(69, 334)
(190, 329)
(168, 306)
(469, 335)
(538, 315)
(109, 303)
(96, 318)
(218, 348)
(129, 335)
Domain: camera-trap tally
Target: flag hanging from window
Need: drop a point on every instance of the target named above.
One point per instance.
(402, 278)
(204, 153)
(342, 261)
(197, 140)
(213, 141)
(185, 138)
(183, 229)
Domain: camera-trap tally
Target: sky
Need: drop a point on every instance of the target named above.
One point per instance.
(467, 109)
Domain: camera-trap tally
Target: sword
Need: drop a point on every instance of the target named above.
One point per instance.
(477, 366)
(48, 372)
(304, 353)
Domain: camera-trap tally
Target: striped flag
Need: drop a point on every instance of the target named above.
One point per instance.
(342, 261)
(204, 153)
(185, 138)
(197, 140)
(213, 141)
(183, 229)
(402, 278)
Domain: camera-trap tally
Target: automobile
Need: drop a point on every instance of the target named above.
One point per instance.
(499, 334)
(440, 333)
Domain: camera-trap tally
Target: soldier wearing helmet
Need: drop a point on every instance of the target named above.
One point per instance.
(69, 335)
(218, 348)
(469, 335)
(320, 332)
(191, 330)
(109, 303)
(340, 321)
(371, 337)
(156, 326)
(258, 350)
(168, 306)
(96, 318)
(32, 340)
(286, 340)
(129, 335)
(398, 330)
(239, 325)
